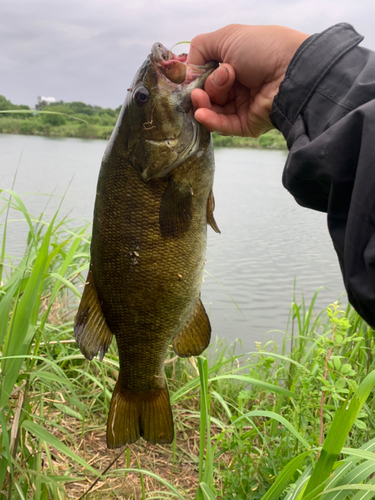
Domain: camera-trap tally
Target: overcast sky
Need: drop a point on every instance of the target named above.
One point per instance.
(89, 50)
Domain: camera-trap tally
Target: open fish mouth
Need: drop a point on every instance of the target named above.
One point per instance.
(175, 81)
(176, 70)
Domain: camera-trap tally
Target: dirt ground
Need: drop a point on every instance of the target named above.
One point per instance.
(177, 465)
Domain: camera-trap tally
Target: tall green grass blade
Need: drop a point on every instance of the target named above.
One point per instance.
(279, 418)
(194, 383)
(223, 403)
(66, 283)
(24, 211)
(290, 360)
(23, 323)
(206, 491)
(359, 474)
(365, 495)
(5, 305)
(350, 488)
(299, 485)
(2, 258)
(359, 453)
(205, 464)
(203, 374)
(337, 435)
(161, 480)
(308, 315)
(55, 479)
(6, 459)
(349, 464)
(285, 476)
(19, 491)
(51, 440)
(19, 273)
(141, 481)
(258, 383)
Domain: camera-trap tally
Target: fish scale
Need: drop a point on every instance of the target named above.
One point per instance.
(154, 201)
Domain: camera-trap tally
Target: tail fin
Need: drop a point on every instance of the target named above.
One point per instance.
(135, 414)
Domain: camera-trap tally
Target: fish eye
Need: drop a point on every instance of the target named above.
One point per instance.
(141, 96)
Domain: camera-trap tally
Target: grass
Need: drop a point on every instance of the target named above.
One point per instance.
(289, 423)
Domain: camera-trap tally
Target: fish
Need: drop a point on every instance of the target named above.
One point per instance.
(153, 203)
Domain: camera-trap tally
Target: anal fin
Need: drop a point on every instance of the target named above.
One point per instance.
(135, 414)
(90, 328)
(210, 212)
(196, 334)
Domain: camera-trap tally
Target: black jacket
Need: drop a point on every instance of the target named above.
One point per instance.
(325, 109)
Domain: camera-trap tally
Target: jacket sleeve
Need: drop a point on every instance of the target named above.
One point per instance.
(325, 109)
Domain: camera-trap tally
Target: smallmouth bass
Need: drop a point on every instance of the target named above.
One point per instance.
(154, 201)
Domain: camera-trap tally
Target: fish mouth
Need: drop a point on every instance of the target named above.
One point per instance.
(177, 71)
(175, 80)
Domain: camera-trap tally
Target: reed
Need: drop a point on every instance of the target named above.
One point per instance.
(288, 423)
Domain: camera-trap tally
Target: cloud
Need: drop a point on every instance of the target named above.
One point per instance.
(90, 50)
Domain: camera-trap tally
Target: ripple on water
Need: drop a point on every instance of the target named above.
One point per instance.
(267, 240)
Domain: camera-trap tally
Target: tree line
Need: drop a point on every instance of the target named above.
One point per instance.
(77, 119)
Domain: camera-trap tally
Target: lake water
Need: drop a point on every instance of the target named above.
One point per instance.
(267, 241)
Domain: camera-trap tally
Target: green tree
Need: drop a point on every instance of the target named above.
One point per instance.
(54, 120)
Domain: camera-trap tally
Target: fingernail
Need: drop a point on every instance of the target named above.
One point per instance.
(221, 76)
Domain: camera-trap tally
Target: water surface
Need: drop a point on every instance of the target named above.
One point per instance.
(266, 242)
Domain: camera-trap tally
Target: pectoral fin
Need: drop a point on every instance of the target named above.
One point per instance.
(210, 212)
(90, 328)
(176, 209)
(196, 334)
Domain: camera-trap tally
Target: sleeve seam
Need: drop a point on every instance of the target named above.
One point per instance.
(336, 100)
(321, 77)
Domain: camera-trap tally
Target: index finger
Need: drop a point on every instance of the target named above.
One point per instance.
(203, 49)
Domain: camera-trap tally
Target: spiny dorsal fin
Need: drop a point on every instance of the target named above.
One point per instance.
(196, 334)
(176, 209)
(210, 212)
(90, 328)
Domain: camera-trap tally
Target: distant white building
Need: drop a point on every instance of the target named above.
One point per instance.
(43, 98)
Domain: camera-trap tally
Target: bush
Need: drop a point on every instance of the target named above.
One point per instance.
(54, 120)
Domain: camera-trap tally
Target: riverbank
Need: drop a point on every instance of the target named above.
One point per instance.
(77, 119)
(272, 140)
(42, 126)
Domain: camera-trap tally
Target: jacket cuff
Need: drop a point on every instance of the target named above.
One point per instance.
(310, 64)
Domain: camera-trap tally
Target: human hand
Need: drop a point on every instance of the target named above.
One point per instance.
(237, 97)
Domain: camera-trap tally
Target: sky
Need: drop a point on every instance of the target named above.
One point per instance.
(89, 50)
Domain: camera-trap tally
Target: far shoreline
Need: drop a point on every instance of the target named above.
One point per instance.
(271, 140)
(84, 121)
